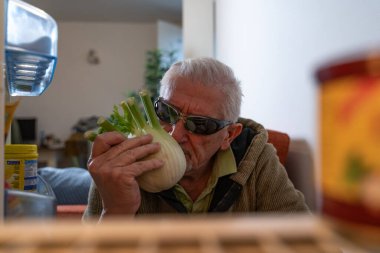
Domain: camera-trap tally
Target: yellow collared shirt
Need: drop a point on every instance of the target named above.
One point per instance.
(224, 164)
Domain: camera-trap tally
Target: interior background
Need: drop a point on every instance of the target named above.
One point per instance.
(274, 47)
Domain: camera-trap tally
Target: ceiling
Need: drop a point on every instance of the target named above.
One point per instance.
(112, 10)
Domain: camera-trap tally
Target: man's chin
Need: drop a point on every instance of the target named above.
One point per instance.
(188, 168)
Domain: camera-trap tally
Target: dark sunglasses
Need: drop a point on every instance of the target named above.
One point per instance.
(195, 124)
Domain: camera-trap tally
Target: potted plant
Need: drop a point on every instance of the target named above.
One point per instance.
(157, 63)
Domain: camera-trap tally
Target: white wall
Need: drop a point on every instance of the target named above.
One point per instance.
(169, 38)
(82, 90)
(198, 28)
(275, 46)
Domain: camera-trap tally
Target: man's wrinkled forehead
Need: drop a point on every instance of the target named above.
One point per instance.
(168, 88)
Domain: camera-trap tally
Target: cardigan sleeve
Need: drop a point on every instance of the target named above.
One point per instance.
(275, 191)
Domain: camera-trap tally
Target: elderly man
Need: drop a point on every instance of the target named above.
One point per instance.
(230, 165)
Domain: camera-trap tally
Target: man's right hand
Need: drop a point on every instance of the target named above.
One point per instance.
(114, 164)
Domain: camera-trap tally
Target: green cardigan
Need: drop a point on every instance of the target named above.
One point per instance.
(260, 184)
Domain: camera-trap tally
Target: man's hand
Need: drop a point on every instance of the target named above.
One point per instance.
(114, 164)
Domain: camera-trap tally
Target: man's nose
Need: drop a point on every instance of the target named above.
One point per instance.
(178, 131)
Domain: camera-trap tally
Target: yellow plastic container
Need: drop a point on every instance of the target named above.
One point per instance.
(349, 100)
(20, 162)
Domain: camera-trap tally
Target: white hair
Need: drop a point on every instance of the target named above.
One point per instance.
(209, 72)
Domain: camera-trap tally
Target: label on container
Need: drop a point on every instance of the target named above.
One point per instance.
(21, 174)
(350, 140)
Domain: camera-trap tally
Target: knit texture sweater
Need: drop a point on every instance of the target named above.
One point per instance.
(260, 184)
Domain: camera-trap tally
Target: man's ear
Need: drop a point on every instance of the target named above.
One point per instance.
(233, 131)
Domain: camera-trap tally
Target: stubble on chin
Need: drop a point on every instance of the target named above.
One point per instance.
(189, 165)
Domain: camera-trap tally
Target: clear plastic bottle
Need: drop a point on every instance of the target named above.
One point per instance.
(30, 49)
